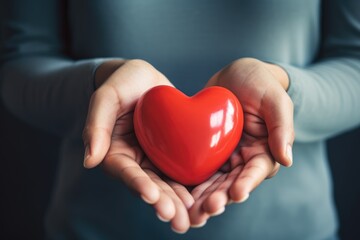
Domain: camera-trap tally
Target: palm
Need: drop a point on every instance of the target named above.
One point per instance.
(250, 164)
(110, 140)
(126, 160)
(123, 146)
(268, 128)
(126, 154)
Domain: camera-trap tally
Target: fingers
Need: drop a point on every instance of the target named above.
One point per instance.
(260, 90)
(124, 167)
(108, 140)
(182, 193)
(170, 200)
(178, 197)
(171, 205)
(217, 200)
(165, 206)
(213, 81)
(212, 196)
(213, 200)
(198, 215)
(99, 125)
(254, 172)
(116, 97)
(133, 79)
(279, 121)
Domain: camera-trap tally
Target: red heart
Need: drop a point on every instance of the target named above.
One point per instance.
(188, 138)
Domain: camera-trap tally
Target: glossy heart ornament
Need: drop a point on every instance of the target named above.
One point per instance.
(188, 138)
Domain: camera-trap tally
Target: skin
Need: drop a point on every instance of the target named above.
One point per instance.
(266, 143)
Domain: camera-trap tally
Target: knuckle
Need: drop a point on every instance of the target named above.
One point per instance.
(85, 135)
(274, 171)
(139, 63)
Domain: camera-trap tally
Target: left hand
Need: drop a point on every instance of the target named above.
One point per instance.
(266, 142)
(110, 139)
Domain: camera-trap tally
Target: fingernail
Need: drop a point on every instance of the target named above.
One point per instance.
(199, 225)
(218, 212)
(177, 231)
(146, 199)
(161, 218)
(86, 154)
(230, 202)
(243, 199)
(289, 153)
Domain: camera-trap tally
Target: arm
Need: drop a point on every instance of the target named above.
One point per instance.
(326, 94)
(39, 83)
(326, 99)
(46, 88)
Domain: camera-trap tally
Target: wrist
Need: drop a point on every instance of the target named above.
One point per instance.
(280, 74)
(105, 70)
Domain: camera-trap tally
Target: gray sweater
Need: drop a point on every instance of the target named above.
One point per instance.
(51, 48)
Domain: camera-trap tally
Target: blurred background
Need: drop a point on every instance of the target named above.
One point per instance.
(29, 157)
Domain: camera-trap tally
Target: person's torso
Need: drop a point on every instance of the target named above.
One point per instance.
(189, 42)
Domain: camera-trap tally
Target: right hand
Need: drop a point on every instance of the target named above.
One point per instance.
(109, 139)
(267, 138)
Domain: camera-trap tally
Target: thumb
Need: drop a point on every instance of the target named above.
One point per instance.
(213, 81)
(103, 108)
(279, 120)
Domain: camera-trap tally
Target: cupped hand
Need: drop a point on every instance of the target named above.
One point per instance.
(266, 142)
(110, 140)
